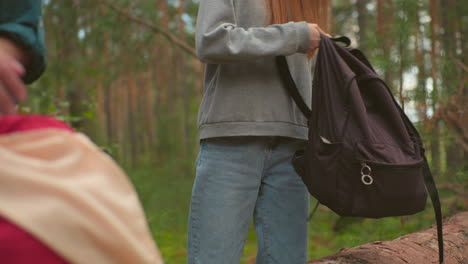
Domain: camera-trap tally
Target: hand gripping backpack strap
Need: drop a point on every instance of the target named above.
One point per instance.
(288, 81)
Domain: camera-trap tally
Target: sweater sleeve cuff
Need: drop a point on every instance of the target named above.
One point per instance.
(303, 37)
(31, 42)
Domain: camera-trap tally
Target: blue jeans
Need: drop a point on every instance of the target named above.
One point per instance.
(241, 177)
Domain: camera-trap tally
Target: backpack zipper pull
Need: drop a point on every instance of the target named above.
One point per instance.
(366, 177)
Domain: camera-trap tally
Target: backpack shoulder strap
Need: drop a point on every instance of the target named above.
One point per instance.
(290, 85)
(432, 190)
(428, 181)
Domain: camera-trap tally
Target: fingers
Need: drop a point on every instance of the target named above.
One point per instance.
(12, 82)
(314, 32)
(7, 105)
(314, 38)
(17, 67)
(317, 28)
(12, 89)
(322, 31)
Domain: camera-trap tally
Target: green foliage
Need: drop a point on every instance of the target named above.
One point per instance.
(165, 194)
(461, 173)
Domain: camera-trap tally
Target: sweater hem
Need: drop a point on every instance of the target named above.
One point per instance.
(232, 129)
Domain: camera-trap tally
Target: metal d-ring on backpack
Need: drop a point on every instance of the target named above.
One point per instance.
(364, 157)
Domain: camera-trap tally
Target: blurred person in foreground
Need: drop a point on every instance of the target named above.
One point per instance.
(62, 200)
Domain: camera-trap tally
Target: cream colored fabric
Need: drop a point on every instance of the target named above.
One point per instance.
(62, 189)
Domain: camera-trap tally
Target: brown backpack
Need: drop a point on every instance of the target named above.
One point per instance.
(364, 157)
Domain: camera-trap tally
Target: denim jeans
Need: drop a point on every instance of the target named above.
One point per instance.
(241, 177)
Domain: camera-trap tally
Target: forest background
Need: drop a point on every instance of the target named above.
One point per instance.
(124, 73)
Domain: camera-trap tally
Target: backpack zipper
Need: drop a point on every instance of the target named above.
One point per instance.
(391, 166)
(366, 169)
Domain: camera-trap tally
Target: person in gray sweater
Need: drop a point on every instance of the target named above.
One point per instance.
(249, 129)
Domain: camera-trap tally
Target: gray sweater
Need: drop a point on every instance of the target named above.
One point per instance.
(243, 94)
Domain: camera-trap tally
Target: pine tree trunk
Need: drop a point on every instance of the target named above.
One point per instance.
(385, 36)
(362, 23)
(435, 142)
(422, 74)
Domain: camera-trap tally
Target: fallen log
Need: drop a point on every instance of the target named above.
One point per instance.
(415, 248)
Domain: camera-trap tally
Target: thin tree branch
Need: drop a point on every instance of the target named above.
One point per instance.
(461, 64)
(169, 36)
(461, 141)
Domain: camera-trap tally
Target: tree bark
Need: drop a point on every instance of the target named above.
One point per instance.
(363, 24)
(436, 135)
(420, 54)
(419, 247)
(385, 37)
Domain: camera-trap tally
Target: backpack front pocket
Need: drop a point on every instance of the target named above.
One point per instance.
(388, 190)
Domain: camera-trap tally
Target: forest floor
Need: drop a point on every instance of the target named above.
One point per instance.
(166, 196)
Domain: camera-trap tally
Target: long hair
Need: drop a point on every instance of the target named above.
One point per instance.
(311, 11)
